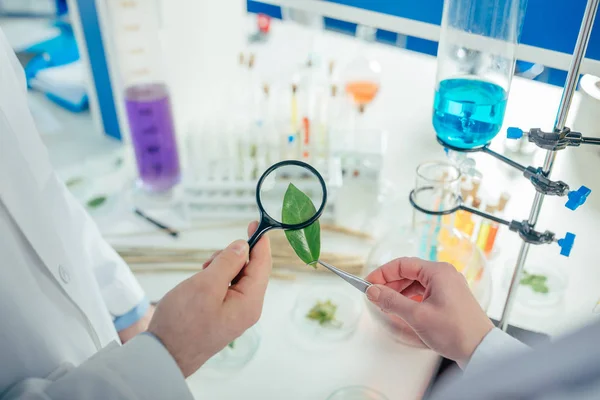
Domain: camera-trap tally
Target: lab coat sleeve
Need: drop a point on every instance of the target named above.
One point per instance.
(496, 342)
(120, 290)
(140, 369)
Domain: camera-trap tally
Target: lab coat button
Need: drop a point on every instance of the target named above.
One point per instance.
(64, 274)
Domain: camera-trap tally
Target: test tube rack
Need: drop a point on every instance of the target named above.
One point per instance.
(560, 138)
(235, 199)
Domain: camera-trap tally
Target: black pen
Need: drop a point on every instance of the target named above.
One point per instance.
(154, 222)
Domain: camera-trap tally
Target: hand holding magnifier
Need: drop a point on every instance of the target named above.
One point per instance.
(270, 192)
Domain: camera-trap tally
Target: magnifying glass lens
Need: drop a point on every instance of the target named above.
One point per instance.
(291, 183)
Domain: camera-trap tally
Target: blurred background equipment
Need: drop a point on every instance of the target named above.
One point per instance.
(173, 110)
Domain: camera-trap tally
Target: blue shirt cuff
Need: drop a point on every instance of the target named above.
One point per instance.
(126, 320)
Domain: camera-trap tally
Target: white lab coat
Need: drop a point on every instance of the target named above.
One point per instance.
(60, 282)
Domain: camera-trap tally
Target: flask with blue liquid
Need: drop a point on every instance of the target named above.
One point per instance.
(476, 60)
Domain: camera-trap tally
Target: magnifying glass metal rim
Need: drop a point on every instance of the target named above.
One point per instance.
(449, 211)
(267, 222)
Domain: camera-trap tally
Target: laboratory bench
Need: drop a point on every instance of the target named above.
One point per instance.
(283, 368)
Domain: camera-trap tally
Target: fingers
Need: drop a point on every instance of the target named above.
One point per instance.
(228, 264)
(214, 255)
(415, 289)
(404, 268)
(400, 285)
(255, 277)
(252, 228)
(392, 302)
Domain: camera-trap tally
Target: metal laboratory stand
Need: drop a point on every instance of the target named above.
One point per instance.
(559, 126)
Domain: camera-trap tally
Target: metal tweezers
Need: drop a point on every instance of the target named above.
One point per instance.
(354, 280)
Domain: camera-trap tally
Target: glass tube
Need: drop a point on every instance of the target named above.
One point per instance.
(135, 35)
(476, 60)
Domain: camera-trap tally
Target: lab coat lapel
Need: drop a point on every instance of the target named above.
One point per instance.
(28, 187)
(27, 184)
(21, 188)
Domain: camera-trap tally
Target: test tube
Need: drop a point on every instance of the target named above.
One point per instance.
(486, 230)
(135, 35)
(504, 198)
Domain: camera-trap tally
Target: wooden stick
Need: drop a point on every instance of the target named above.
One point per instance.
(144, 270)
(228, 224)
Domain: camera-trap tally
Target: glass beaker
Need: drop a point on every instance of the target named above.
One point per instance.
(135, 35)
(476, 61)
(437, 188)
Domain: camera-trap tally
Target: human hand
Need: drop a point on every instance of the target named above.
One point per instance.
(204, 313)
(140, 326)
(448, 319)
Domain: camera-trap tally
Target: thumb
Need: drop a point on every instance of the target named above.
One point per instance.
(228, 264)
(392, 302)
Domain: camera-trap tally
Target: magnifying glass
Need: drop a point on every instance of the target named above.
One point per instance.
(271, 189)
(270, 192)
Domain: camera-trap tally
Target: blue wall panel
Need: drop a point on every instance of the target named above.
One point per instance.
(549, 24)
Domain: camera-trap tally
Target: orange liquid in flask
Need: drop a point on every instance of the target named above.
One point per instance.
(362, 92)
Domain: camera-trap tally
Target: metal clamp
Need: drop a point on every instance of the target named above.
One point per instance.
(543, 184)
(553, 141)
(530, 235)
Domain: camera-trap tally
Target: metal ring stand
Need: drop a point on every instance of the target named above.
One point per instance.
(559, 124)
(527, 227)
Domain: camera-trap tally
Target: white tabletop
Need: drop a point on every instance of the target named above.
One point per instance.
(281, 368)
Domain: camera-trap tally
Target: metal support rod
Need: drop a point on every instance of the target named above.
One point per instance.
(484, 215)
(504, 159)
(590, 140)
(559, 124)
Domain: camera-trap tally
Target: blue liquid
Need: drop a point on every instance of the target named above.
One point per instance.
(468, 113)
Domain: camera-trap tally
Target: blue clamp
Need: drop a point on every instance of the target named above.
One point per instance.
(446, 150)
(514, 133)
(577, 197)
(566, 244)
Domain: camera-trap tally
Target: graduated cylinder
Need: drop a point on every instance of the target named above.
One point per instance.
(134, 25)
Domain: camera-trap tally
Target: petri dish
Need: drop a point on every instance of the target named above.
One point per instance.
(235, 355)
(348, 309)
(555, 283)
(356, 393)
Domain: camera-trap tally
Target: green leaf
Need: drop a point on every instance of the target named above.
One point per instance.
(536, 282)
(96, 202)
(74, 181)
(299, 208)
(231, 345)
(324, 314)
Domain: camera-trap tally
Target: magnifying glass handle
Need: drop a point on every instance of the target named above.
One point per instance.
(260, 231)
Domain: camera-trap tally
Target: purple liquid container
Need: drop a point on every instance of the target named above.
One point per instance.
(150, 118)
